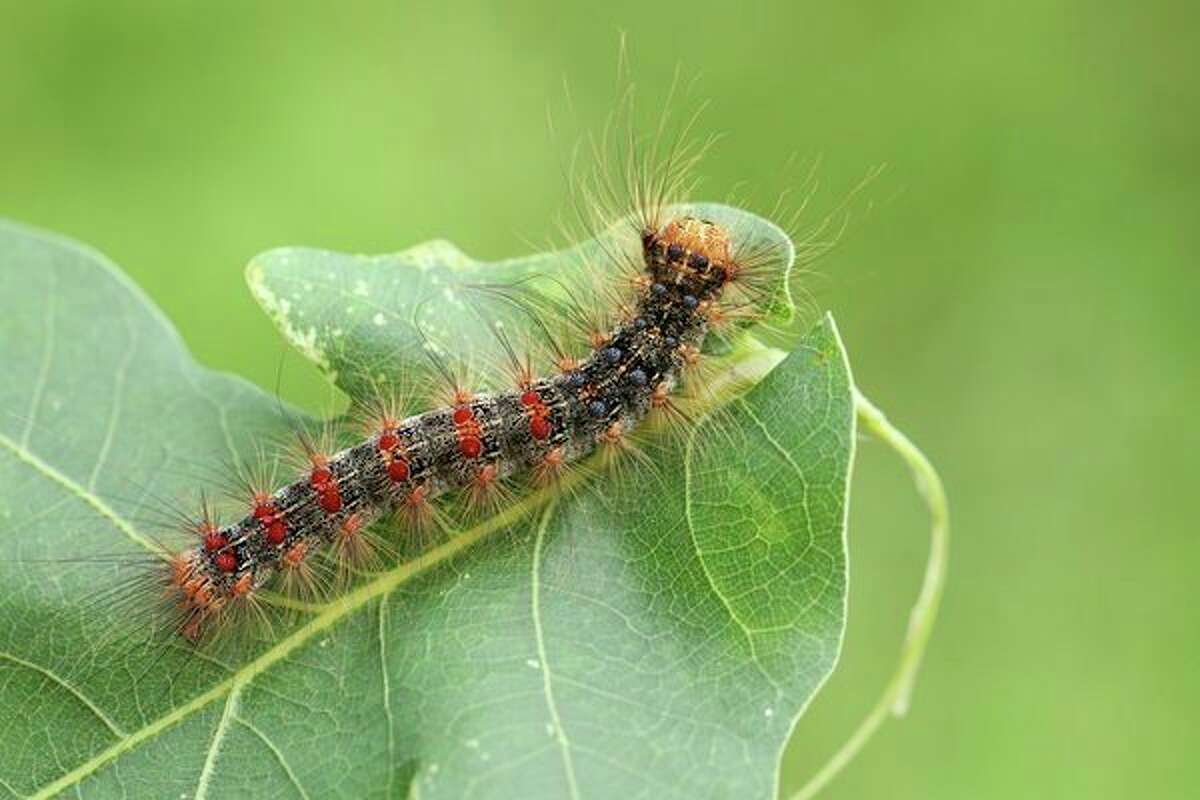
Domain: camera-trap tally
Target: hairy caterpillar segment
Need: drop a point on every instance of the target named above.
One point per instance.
(478, 440)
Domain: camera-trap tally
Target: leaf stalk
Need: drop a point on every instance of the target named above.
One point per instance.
(894, 701)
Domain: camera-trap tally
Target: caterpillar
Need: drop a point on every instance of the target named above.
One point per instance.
(538, 427)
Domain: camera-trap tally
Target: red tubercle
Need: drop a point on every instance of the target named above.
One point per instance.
(226, 561)
(276, 532)
(392, 453)
(398, 470)
(539, 427)
(469, 431)
(214, 541)
(323, 483)
(270, 519)
(388, 441)
(320, 477)
(470, 446)
(330, 499)
(539, 415)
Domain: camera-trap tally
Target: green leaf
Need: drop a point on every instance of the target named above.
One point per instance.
(652, 633)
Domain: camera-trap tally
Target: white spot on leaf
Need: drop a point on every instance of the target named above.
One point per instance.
(279, 309)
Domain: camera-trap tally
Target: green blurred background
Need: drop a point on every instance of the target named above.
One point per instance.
(1018, 289)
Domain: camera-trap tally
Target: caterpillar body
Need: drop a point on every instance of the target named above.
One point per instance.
(539, 427)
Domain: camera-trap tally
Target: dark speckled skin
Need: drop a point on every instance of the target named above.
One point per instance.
(686, 264)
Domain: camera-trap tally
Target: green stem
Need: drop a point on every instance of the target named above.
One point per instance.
(895, 698)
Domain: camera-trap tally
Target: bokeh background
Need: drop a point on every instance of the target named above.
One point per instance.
(1018, 289)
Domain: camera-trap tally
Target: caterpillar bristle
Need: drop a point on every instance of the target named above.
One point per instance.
(550, 469)
(252, 480)
(300, 578)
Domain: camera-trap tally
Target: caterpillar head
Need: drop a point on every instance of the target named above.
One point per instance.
(689, 252)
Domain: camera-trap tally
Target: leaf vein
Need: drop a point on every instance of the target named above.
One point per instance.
(560, 734)
(100, 715)
(47, 357)
(277, 753)
(91, 498)
(214, 748)
(114, 412)
(708, 576)
(387, 693)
